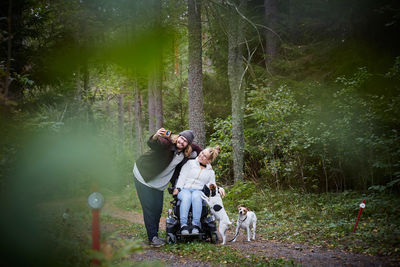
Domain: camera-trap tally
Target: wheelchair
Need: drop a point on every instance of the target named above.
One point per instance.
(208, 231)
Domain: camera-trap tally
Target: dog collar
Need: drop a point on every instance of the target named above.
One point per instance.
(243, 220)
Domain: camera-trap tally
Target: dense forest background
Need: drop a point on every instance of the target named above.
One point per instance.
(302, 96)
(299, 94)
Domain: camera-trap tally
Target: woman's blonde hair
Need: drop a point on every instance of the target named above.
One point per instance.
(214, 152)
(187, 151)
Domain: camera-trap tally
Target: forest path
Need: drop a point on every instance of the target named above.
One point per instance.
(301, 254)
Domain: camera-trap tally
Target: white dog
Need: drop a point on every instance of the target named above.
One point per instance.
(217, 209)
(245, 219)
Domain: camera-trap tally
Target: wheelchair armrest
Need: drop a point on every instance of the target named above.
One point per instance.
(171, 189)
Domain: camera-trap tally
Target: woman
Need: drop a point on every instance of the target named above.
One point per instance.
(194, 175)
(155, 169)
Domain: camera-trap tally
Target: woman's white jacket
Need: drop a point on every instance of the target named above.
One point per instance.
(192, 176)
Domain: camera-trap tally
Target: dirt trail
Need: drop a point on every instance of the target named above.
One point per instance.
(299, 253)
(149, 254)
(133, 217)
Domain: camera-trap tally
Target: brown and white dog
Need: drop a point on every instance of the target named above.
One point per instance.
(217, 209)
(246, 219)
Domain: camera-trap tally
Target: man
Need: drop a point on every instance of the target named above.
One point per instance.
(155, 169)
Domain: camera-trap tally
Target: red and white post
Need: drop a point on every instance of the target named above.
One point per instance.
(362, 206)
(96, 201)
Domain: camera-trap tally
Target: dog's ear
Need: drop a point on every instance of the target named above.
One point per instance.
(239, 206)
(206, 190)
(247, 210)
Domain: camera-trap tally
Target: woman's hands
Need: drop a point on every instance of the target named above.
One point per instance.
(221, 191)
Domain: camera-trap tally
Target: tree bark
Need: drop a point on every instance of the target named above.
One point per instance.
(178, 72)
(88, 100)
(151, 106)
(121, 120)
(158, 99)
(237, 87)
(9, 44)
(195, 75)
(271, 22)
(130, 125)
(138, 121)
(78, 89)
(156, 119)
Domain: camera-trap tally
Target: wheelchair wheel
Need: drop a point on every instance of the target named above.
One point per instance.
(171, 238)
(214, 238)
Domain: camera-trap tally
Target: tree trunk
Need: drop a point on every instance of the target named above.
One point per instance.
(9, 44)
(138, 121)
(151, 106)
(195, 75)
(78, 89)
(293, 21)
(130, 126)
(121, 120)
(178, 73)
(237, 88)
(271, 22)
(158, 98)
(87, 98)
(156, 120)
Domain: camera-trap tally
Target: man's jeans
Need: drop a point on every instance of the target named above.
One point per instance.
(190, 197)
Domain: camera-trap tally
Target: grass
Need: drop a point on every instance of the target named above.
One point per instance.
(128, 200)
(217, 255)
(324, 219)
(60, 242)
(203, 251)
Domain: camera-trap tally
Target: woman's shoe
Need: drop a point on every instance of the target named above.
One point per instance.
(195, 229)
(184, 230)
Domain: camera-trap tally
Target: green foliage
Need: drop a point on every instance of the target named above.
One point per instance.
(241, 194)
(222, 136)
(39, 234)
(319, 137)
(322, 219)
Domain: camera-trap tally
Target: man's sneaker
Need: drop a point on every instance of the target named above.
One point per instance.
(157, 242)
(184, 230)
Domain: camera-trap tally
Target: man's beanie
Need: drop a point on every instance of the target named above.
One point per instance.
(188, 134)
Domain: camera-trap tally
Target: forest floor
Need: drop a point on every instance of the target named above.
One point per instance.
(288, 253)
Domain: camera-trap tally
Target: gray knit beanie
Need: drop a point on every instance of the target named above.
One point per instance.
(188, 134)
